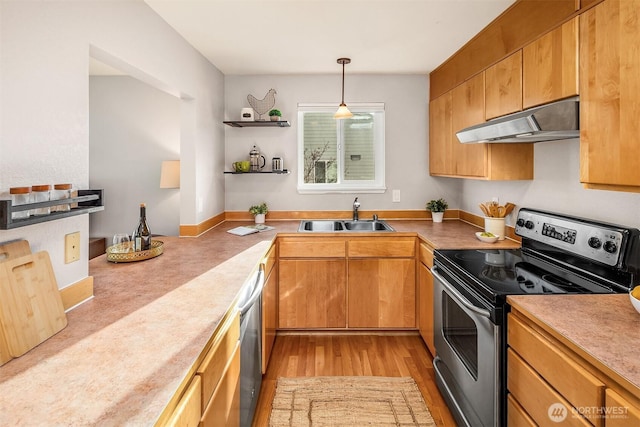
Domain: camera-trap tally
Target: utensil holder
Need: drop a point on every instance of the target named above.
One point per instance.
(495, 226)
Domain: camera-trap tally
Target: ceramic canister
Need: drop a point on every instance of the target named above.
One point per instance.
(246, 115)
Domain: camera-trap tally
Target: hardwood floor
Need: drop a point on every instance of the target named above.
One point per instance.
(335, 355)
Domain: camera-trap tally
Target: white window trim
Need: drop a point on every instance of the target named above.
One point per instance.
(374, 186)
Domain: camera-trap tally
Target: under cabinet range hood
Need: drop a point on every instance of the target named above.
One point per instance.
(554, 121)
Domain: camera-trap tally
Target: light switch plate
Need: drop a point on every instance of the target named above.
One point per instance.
(395, 196)
(71, 247)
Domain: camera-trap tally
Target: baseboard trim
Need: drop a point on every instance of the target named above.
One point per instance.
(77, 293)
(198, 229)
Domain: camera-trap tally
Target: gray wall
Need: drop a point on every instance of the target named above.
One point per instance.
(406, 110)
(133, 127)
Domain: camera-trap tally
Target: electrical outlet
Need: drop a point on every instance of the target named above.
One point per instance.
(71, 247)
(395, 196)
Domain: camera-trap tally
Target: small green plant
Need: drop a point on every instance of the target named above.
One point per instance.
(262, 208)
(437, 205)
(275, 112)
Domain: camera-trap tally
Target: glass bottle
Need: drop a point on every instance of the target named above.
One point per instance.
(142, 234)
(40, 193)
(61, 192)
(20, 196)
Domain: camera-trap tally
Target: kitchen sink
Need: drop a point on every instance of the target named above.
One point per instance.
(329, 226)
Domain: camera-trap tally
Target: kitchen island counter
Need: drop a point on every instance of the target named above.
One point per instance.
(126, 352)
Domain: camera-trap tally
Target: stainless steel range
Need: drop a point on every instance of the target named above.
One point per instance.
(559, 255)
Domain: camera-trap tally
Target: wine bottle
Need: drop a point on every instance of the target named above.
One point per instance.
(142, 234)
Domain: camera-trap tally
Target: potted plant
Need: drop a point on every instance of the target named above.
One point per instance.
(259, 212)
(275, 115)
(437, 208)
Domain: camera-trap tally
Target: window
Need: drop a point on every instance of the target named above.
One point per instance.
(340, 156)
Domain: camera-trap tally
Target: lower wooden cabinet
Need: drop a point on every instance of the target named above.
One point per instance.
(224, 407)
(189, 408)
(382, 293)
(550, 383)
(425, 306)
(269, 307)
(312, 293)
(213, 394)
(327, 282)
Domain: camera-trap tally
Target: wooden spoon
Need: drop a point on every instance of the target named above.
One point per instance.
(508, 208)
(484, 209)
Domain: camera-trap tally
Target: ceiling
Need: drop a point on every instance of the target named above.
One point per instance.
(244, 37)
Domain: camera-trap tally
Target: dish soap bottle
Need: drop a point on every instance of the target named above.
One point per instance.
(142, 234)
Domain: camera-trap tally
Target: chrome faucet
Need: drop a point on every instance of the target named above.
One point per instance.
(356, 205)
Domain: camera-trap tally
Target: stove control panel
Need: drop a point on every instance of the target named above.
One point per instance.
(595, 241)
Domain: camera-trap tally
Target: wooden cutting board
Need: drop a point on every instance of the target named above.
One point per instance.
(31, 308)
(9, 251)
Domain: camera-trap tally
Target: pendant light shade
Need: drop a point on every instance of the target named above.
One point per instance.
(343, 112)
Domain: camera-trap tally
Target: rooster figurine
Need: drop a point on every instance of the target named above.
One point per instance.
(262, 106)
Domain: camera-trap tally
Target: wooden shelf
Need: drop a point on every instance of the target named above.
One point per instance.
(88, 201)
(265, 123)
(283, 172)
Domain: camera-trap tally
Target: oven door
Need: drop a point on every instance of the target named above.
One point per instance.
(467, 361)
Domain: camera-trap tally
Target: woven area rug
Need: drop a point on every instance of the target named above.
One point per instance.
(348, 401)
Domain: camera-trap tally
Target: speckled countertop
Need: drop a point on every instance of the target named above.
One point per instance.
(603, 329)
(125, 352)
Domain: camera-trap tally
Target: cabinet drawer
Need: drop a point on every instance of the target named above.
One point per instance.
(188, 411)
(535, 395)
(315, 247)
(620, 412)
(269, 260)
(382, 247)
(516, 415)
(425, 252)
(224, 408)
(212, 368)
(574, 382)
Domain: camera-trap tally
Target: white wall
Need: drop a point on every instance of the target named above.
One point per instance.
(133, 127)
(44, 106)
(406, 110)
(556, 187)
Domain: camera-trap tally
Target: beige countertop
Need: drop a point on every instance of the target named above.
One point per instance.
(603, 329)
(125, 352)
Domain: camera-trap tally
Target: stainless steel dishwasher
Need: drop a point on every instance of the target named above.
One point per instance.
(250, 307)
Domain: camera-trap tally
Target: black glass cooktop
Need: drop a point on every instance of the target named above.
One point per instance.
(497, 273)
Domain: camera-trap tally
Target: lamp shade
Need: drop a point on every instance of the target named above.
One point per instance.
(170, 174)
(343, 112)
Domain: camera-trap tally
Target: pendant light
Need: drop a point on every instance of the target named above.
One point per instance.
(343, 112)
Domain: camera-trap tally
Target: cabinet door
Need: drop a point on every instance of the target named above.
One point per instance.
(187, 413)
(622, 412)
(382, 293)
(269, 316)
(503, 87)
(467, 107)
(550, 66)
(610, 96)
(312, 293)
(425, 306)
(224, 407)
(440, 133)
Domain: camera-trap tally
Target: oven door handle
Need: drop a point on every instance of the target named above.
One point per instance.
(459, 297)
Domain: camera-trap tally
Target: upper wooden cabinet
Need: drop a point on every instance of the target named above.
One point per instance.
(467, 108)
(610, 96)
(503, 87)
(550, 66)
(440, 136)
(460, 108)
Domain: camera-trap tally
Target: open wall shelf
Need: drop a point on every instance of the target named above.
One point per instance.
(282, 172)
(265, 123)
(88, 201)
